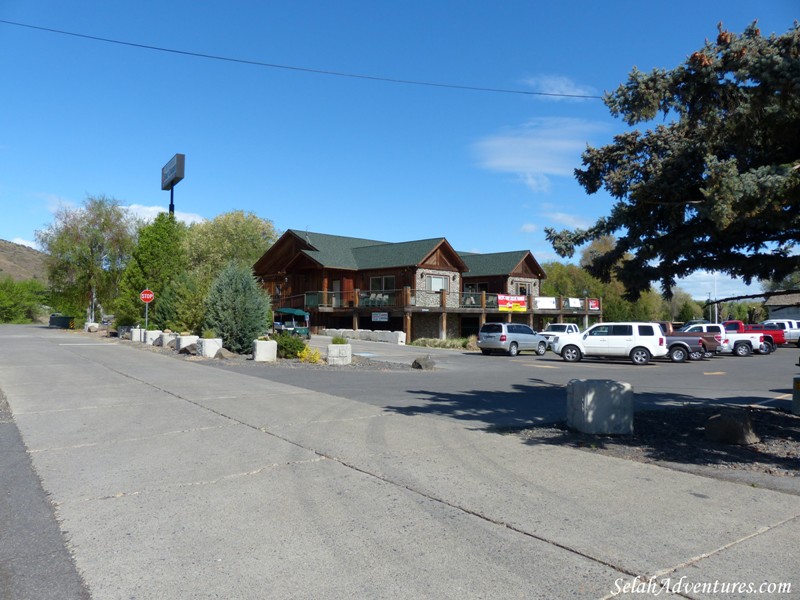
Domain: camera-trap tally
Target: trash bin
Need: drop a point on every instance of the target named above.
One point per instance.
(62, 321)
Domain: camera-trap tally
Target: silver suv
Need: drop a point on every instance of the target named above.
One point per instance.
(511, 338)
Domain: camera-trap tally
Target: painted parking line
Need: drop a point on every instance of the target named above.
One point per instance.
(715, 373)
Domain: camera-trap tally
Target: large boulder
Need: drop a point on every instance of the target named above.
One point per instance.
(191, 350)
(731, 427)
(425, 363)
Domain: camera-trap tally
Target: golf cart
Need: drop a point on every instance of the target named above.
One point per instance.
(292, 321)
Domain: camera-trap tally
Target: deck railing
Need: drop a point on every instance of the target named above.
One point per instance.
(408, 297)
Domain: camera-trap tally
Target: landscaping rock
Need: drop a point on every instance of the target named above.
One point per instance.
(731, 427)
(425, 363)
(224, 354)
(191, 350)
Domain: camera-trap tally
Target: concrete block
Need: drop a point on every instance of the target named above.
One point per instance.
(265, 350)
(166, 338)
(137, 334)
(185, 340)
(208, 347)
(340, 354)
(600, 406)
(151, 335)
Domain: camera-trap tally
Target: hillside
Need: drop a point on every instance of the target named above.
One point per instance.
(20, 262)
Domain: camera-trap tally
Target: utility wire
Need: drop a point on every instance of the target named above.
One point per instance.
(256, 63)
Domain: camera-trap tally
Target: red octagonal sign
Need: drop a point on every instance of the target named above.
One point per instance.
(147, 296)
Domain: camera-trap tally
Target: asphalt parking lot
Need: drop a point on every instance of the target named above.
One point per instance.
(501, 391)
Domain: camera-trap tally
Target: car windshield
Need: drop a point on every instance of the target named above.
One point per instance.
(552, 327)
(492, 328)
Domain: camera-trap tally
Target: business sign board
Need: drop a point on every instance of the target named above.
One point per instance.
(511, 303)
(545, 303)
(594, 304)
(380, 317)
(172, 172)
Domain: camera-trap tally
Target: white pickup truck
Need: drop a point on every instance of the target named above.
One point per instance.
(554, 329)
(791, 329)
(740, 344)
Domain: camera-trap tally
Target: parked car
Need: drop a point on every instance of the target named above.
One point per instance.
(554, 329)
(711, 337)
(511, 338)
(638, 341)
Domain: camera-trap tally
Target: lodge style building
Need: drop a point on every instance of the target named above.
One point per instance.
(424, 288)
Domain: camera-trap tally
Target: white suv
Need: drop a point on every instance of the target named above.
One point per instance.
(638, 341)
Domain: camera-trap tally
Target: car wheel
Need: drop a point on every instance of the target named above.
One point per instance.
(765, 348)
(742, 350)
(485, 351)
(571, 354)
(697, 355)
(513, 349)
(708, 355)
(640, 356)
(678, 354)
(541, 349)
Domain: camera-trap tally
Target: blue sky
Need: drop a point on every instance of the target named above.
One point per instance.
(341, 155)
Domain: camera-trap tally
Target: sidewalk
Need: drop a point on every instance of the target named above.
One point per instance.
(174, 480)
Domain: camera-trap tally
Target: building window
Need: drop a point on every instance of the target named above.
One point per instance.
(437, 283)
(522, 289)
(381, 284)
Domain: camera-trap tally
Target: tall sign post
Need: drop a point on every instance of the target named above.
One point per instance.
(171, 174)
(147, 297)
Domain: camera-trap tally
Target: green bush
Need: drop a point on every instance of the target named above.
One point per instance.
(21, 301)
(452, 343)
(237, 308)
(289, 346)
(338, 339)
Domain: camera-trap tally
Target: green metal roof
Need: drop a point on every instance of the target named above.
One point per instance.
(340, 252)
(497, 263)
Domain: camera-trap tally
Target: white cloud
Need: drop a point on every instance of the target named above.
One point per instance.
(700, 284)
(27, 243)
(558, 84)
(528, 228)
(55, 202)
(538, 150)
(148, 213)
(570, 221)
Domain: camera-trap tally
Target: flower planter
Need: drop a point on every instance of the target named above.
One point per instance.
(340, 354)
(208, 347)
(185, 340)
(265, 350)
(151, 335)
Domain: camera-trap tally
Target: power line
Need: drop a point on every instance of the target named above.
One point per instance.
(257, 63)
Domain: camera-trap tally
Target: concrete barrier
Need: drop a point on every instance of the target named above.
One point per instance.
(137, 334)
(390, 337)
(208, 347)
(340, 354)
(265, 350)
(185, 340)
(166, 338)
(151, 335)
(600, 406)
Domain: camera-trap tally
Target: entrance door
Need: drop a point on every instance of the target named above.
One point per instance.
(336, 300)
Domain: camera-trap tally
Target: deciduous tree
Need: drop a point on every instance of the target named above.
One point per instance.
(88, 248)
(716, 186)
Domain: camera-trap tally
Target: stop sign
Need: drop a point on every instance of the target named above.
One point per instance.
(147, 296)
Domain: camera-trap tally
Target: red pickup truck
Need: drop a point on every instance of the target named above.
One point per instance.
(773, 335)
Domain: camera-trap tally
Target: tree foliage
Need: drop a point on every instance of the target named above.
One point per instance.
(157, 259)
(87, 248)
(237, 308)
(237, 235)
(716, 186)
(182, 307)
(21, 301)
